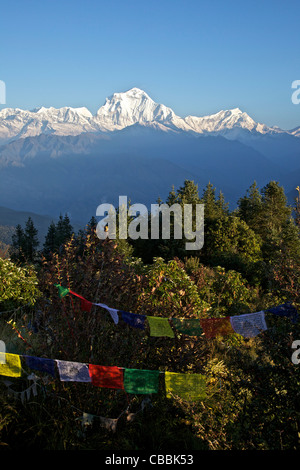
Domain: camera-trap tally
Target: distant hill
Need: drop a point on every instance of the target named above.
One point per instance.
(9, 218)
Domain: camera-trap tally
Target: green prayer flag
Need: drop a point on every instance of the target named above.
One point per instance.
(160, 327)
(188, 326)
(190, 387)
(141, 381)
(62, 291)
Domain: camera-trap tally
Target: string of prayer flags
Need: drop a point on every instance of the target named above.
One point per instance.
(41, 364)
(160, 327)
(285, 310)
(112, 311)
(62, 291)
(133, 319)
(190, 387)
(12, 366)
(187, 326)
(213, 327)
(73, 371)
(85, 305)
(141, 381)
(106, 376)
(249, 325)
(23, 393)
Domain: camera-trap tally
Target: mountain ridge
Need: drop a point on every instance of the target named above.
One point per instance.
(68, 160)
(122, 110)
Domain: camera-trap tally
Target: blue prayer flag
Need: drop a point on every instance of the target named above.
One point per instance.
(285, 310)
(133, 319)
(41, 364)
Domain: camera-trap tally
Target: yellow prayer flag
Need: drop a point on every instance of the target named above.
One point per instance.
(12, 367)
(160, 327)
(190, 387)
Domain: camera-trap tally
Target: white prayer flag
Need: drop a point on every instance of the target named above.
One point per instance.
(113, 312)
(73, 371)
(249, 324)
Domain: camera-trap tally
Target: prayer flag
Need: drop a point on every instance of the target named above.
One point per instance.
(141, 381)
(41, 364)
(112, 311)
(190, 387)
(133, 319)
(285, 310)
(12, 366)
(160, 327)
(106, 377)
(73, 371)
(213, 327)
(85, 305)
(62, 291)
(188, 326)
(249, 324)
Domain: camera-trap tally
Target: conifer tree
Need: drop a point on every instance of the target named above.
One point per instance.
(24, 243)
(17, 245)
(31, 240)
(250, 207)
(64, 230)
(50, 240)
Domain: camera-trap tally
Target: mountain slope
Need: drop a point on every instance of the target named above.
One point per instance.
(140, 162)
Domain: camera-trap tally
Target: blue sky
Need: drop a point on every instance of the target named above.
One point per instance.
(196, 57)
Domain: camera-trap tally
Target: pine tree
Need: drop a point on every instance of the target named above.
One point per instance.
(277, 228)
(275, 211)
(31, 240)
(172, 197)
(250, 207)
(209, 201)
(91, 226)
(24, 243)
(50, 240)
(188, 193)
(16, 250)
(64, 230)
(222, 207)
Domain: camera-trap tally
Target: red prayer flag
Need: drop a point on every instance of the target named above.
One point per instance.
(213, 327)
(107, 377)
(85, 305)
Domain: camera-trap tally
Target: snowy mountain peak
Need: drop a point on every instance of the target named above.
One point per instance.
(121, 110)
(131, 107)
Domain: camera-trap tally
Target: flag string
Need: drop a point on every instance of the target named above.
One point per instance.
(248, 324)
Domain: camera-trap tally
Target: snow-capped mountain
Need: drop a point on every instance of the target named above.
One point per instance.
(122, 110)
(70, 160)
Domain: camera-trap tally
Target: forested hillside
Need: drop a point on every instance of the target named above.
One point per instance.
(142, 311)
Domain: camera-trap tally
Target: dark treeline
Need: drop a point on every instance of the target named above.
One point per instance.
(249, 239)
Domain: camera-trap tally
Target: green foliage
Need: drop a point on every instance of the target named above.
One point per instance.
(18, 286)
